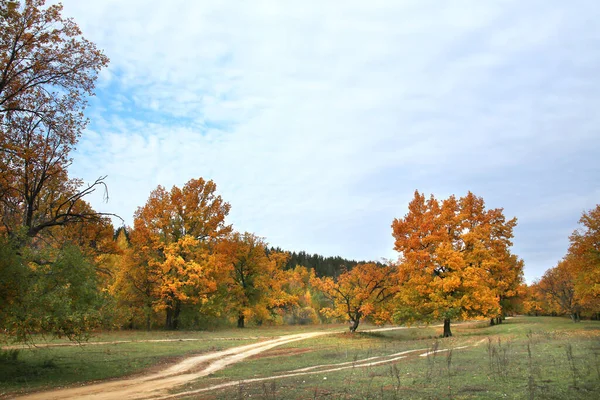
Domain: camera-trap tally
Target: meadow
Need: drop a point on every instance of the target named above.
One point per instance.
(523, 358)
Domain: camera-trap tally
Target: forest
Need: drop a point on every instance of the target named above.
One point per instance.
(67, 270)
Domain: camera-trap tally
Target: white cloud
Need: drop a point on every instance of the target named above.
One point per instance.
(318, 120)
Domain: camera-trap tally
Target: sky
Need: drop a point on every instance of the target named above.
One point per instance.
(318, 120)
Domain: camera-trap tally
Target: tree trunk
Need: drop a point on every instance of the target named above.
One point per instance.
(354, 324)
(148, 316)
(447, 331)
(172, 318)
(240, 320)
(176, 313)
(169, 319)
(492, 321)
(498, 320)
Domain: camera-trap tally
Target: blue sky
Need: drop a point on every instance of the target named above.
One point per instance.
(318, 120)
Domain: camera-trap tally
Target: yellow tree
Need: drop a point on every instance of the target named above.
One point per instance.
(303, 297)
(534, 301)
(558, 285)
(173, 237)
(135, 282)
(359, 293)
(450, 252)
(584, 252)
(251, 278)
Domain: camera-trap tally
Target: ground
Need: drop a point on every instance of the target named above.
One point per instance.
(526, 357)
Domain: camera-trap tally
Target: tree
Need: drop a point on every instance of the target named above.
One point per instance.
(359, 293)
(46, 70)
(173, 237)
(573, 285)
(56, 294)
(584, 252)
(134, 283)
(534, 301)
(450, 252)
(558, 285)
(252, 278)
(303, 298)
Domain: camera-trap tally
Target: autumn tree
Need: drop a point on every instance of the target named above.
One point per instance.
(573, 285)
(558, 285)
(251, 277)
(359, 293)
(46, 71)
(304, 299)
(584, 253)
(173, 237)
(450, 253)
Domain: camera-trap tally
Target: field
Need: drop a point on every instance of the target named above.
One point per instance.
(525, 357)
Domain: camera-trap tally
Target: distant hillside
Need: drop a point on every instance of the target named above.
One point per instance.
(323, 266)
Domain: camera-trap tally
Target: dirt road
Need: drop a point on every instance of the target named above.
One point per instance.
(157, 384)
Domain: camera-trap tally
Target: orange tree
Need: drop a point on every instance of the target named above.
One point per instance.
(573, 285)
(173, 238)
(304, 297)
(585, 253)
(358, 293)
(451, 253)
(251, 278)
(558, 286)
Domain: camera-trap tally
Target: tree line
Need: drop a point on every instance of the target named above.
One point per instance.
(65, 270)
(572, 287)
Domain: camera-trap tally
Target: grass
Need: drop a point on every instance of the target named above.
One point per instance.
(523, 358)
(33, 368)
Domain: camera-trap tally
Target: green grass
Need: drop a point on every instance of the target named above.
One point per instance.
(564, 363)
(46, 367)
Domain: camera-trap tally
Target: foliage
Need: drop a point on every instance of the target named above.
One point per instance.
(323, 266)
(172, 241)
(46, 70)
(58, 296)
(452, 255)
(251, 278)
(573, 285)
(360, 292)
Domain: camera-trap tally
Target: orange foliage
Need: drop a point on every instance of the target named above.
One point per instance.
(455, 261)
(573, 286)
(252, 279)
(358, 293)
(173, 239)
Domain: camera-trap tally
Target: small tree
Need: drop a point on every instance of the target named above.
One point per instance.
(251, 279)
(359, 293)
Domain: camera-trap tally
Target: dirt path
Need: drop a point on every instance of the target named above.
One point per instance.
(44, 345)
(321, 369)
(157, 385)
